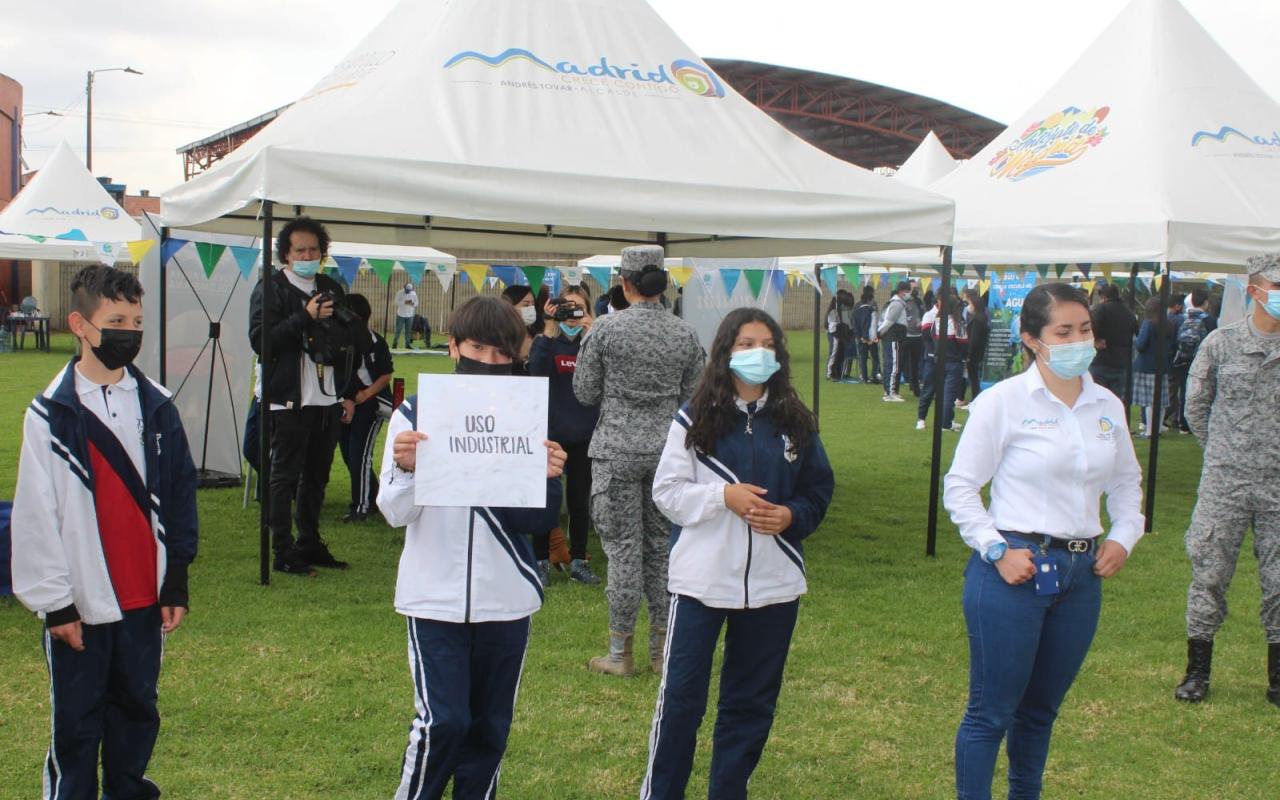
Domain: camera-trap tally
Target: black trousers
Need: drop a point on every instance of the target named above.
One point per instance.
(577, 491)
(302, 445)
(974, 368)
(104, 698)
(356, 441)
(912, 354)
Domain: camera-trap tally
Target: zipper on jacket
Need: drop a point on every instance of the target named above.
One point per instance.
(471, 538)
(746, 575)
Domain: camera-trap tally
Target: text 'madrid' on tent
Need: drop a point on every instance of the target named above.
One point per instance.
(556, 126)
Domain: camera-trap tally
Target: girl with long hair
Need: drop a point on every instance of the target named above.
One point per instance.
(744, 478)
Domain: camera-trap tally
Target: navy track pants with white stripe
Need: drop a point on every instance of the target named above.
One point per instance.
(756, 643)
(104, 697)
(356, 442)
(465, 680)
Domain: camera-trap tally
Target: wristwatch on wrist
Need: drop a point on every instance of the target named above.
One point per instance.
(995, 552)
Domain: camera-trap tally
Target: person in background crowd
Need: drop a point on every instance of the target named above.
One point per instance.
(618, 300)
(1050, 442)
(638, 366)
(306, 409)
(104, 530)
(839, 335)
(678, 308)
(928, 367)
(1114, 326)
(1231, 407)
(406, 307)
(913, 344)
(602, 304)
(892, 332)
(956, 358)
(1194, 328)
(979, 331)
(555, 355)
(373, 407)
(865, 323)
(526, 305)
(745, 479)
(1155, 325)
(466, 586)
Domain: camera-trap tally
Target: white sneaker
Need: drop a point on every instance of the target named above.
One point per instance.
(919, 424)
(960, 404)
(955, 427)
(894, 398)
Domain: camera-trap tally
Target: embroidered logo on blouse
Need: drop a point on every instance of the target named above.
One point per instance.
(1040, 424)
(1106, 428)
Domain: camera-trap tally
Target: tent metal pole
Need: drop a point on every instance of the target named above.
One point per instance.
(1157, 396)
(386, 308)
(208, 398)
(1128, 365)
(164, 307)
(939, 397)
(264, 406)
(817, 339)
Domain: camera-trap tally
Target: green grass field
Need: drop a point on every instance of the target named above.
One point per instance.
(301, 689)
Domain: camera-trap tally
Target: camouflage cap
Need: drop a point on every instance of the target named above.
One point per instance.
(635, 259)
(1266, 265)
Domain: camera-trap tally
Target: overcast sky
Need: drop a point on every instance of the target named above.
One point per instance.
(209, 64)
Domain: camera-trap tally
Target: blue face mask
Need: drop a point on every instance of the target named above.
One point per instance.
(568, 331)
(305, 269)
(1070, 360)
(754, 366)
(1272, 306)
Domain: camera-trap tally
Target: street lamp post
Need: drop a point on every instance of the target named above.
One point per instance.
(88, 117)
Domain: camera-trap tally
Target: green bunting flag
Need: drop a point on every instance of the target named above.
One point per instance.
(1059, 268)
(382, 267)
(755, 279)
(1043, 269)
(209, 255)
(534, 275)
(851, 272)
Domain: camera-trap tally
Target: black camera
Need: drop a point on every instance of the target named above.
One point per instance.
(341, 312)
(566, 310)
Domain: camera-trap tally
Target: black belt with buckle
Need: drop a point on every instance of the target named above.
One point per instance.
(1070, 545)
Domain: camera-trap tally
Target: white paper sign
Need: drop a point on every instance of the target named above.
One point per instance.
(484, 444)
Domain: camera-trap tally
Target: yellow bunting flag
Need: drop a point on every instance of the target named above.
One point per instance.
(475, 273)
(984, 287)
(1088, 286)
(926, 282)
(1158, 282)
(681, 274)
(138, 249)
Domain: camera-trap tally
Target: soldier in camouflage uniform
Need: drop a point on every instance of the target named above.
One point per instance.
(1232, 398)
(639, 365)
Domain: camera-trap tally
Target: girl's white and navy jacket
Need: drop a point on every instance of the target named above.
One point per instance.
(715, 556)
(461, 564)
(59, 565)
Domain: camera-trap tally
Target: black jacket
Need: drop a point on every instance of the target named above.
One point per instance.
(1116, 325)
(569, 422)
(282, 377)
(376, 358)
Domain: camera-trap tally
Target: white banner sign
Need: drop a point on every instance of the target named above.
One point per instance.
(484, 442)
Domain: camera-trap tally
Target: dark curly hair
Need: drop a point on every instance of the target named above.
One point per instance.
(713, 408)
(303, 224)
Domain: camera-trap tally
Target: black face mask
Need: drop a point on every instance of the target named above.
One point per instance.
(118, 347)
(469, 366)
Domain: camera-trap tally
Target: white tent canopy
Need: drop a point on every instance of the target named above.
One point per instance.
(478, 125)
(427, 255)
(61, 199)
(1155, 146)
(927, 164)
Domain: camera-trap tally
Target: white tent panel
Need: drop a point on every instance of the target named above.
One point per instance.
(927, 164)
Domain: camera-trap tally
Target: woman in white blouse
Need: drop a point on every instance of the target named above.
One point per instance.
(1051, 442)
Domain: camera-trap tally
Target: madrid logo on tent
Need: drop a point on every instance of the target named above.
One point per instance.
(600, 73)
(106, 212)
(1057, 140)
(1269, 145)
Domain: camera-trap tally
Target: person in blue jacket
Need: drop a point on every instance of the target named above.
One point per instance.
(744, 479)
(554, 355)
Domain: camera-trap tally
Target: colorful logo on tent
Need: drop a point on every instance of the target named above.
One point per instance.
(697, 78)
(690, 75)
(108, 212)
(1055, 141)
(1227, 133)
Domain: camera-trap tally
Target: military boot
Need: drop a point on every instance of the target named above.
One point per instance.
(657, 648)
(1195, 685)
(1273, 673)
(619, 661)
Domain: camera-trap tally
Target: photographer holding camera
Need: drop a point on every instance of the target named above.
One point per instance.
(554, 354)
(311, 338)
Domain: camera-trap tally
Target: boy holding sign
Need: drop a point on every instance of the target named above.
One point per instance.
(467, 584)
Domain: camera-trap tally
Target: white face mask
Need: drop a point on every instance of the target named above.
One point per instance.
(529, 314)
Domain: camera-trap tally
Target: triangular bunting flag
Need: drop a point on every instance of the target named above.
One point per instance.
(984, 287)
(508, 275)
(829, 276)
(602, 276)
(475, 273)
(926, 282)
(534, 275)
(778, 279)
(209, 255)
(730, 278)
(446, 279)
(246, 258)
(958, 269)
(1059, 268)
(1084, 269)
(808, 277)
(1158, 283)
(981, 269)
(1106, 271)
(572, 275)
(680, 274)
(73, 235)
(348, 268)
(382, 267)
(851, 272)
(492, 281)
(138, 249)
(107, 253)
(1043, 269)
(169, 248)
(961, 284)
(35, 238)
(415, 270)
(755, 279)
(1122, 281)
(1088, 286)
